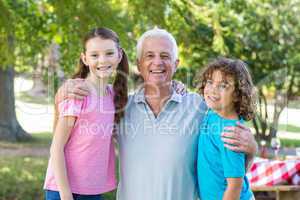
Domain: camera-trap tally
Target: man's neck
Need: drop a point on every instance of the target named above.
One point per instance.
(157, 96)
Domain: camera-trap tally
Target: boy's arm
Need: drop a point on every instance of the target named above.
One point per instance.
(240, 139)
(233, 190)
(60, 138)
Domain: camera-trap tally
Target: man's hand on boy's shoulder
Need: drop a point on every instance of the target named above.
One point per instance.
(239, 138)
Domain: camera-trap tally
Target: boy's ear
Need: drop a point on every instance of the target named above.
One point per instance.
(235, 97)
(83, 58)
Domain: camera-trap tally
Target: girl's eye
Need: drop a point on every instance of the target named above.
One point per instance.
(110, 53)
(94, 55)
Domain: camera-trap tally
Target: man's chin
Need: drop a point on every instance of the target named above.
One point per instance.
(158, 83)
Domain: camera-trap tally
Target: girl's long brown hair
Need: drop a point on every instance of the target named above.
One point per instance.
(120, 83)
(245, 104)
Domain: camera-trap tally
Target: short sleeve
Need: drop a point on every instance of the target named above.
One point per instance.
(233, 162)
(70, 107)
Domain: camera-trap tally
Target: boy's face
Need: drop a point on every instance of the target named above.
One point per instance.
(219, 93)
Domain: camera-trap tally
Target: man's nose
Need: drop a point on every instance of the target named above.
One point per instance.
(157, 60)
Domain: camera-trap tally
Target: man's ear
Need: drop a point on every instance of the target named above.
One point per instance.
(176, 64)
(83, 58)
(138, 65)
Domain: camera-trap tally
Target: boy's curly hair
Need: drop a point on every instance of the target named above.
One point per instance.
(244, 89)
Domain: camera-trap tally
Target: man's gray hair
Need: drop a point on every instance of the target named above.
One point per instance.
(156, 33)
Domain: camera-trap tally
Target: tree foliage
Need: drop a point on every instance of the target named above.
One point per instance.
(265, 34)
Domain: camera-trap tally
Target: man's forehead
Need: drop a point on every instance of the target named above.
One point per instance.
(161, 45)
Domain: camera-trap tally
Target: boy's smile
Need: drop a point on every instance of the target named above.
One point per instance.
(219, 93)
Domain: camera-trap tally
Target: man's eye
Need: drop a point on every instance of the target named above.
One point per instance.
(149, 55)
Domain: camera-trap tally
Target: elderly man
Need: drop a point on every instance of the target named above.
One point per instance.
(158, 135)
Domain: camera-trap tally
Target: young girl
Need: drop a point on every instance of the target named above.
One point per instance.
(82, 158)
(227, 88)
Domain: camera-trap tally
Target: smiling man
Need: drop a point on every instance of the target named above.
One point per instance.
(158, 135)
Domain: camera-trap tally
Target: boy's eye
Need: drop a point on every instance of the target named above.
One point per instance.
(209, 82)
(223, 85)
(94, 55)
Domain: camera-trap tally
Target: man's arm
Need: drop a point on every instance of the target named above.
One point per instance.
(240, 139)
(71, 89)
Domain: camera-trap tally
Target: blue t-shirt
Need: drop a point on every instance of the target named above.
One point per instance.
(216, 162)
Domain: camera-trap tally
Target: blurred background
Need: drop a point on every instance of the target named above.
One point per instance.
(40, 44)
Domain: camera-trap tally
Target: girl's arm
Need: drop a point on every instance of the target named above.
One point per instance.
(233, 190)
(60, 138)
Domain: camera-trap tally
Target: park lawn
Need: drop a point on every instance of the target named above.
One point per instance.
(291, 143)
(281, 127)
(289, 128)
(22, 177)
(38, 140)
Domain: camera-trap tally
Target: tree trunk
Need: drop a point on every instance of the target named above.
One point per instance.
(10, 128)
(38, 89)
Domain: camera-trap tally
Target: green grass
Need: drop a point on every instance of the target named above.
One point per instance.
(289, 128)
(290, 143)
(38, 140)
(282, 127)
(22, 178)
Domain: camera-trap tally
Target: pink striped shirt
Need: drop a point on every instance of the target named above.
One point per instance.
(89, 152)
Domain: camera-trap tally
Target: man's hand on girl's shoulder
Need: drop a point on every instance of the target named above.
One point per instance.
(72, 89)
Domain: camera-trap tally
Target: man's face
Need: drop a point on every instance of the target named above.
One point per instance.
(157, 64)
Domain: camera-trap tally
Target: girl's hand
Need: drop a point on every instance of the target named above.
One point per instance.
(73, 89)
(240, 139)
(67, 196)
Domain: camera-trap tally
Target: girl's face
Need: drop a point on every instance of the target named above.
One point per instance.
(102, 56)
(219, 93)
